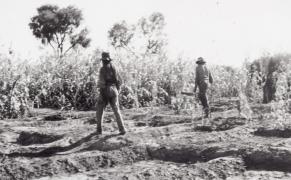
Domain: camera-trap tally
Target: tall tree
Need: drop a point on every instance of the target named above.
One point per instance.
(120, 35)
(152, 30)
(143, 38)
(59, 28)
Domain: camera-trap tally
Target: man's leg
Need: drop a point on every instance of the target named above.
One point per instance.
(203, 98)
(101, 104)
(115, 107)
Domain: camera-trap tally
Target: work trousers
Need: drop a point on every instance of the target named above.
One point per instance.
(203, 87)
(109, 94)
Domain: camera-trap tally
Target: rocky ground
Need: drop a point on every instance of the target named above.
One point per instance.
(160, 144)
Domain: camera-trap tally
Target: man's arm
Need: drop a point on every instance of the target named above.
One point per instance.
(118, 81)
(196, 81)
(101, 80)
(117, 77)
(210, 78)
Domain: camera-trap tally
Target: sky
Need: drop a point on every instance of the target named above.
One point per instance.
(222, 31)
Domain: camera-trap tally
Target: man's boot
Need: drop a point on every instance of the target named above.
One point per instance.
(99, 130)
(206, 111)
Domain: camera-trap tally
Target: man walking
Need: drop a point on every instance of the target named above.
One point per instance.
(109, 85)
(202, 79)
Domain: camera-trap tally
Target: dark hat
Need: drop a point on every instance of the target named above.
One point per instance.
(105, 56)
(200, 60)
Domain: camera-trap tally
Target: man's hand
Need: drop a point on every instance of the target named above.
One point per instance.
(118, 88)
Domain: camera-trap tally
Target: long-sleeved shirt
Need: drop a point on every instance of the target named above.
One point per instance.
(108, 76)
(202, 75)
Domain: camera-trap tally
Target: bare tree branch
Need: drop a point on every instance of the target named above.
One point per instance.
(52, 46)
(72, 46)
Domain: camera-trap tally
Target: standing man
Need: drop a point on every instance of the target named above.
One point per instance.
(202, 80)
(109, 85)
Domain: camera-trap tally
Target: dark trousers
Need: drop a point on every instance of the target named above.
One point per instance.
(108, 95)
(203, 86)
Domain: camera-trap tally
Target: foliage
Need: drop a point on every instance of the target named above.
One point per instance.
(226, 81)
(58, 27)
(127, 97)
(71, 83)
(143, 39)
(65, 84)
(254, 89)
(13, 91)
(267, 70)
(150, 77)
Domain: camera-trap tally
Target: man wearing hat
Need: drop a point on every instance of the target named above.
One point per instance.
(109, 85)
(202, 80)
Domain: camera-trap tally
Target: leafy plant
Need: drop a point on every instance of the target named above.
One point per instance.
(58, 27)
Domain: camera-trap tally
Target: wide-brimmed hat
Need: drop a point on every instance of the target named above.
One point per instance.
(105, 56)
(200, 60)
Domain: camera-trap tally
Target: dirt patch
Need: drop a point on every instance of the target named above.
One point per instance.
(253, 174)
(258, 158)
(108, 143)
(54, 117)
(206, 128)
(182, 153)
(29, 138)
(270, 159)
(164, 120)
(141, 116)
(140, 124)
(223, 105)
(69, 164)
(90, 121)
(273, 132)
(151, 170)
(261, 108)
(221, 124)
(80, 114)
(230, 123)
(166, 147)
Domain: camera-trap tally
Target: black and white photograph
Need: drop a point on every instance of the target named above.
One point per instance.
(145, 90)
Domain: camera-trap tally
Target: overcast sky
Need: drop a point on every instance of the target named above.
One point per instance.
(222, 31)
